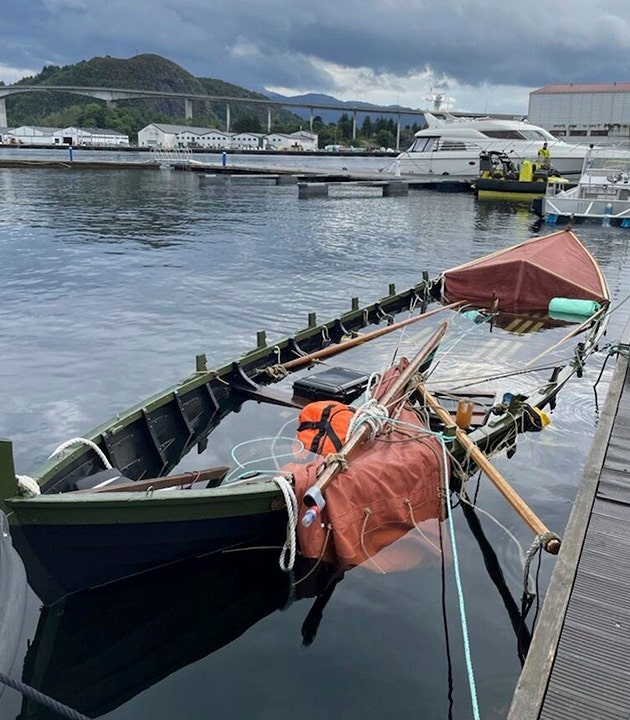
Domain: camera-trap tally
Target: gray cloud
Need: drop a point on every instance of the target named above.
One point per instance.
(258, 43)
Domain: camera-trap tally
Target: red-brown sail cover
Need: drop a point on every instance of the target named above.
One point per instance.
(391, 483)
(527, 276)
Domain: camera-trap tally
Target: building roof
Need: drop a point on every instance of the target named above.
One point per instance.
(175, 129)
(614, 87)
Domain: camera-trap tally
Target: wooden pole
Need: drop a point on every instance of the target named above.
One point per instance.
(340, 347)
(313, 496)
(514, 499)
(575, 331)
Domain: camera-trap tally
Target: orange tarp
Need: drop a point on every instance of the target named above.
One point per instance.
(392, 483)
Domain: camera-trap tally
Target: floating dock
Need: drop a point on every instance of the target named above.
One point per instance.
(445, 183)
(578, 665)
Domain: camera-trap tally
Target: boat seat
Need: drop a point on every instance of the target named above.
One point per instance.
(101, 479)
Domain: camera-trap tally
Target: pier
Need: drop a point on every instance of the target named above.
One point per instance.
(577, 665)
(284, 175)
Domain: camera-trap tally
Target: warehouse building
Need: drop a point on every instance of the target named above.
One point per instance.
(579, 112)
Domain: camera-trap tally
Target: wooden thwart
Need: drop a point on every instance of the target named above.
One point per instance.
(215, 475)
(483, 463)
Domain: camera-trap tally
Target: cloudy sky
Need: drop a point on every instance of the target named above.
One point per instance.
(482, 55)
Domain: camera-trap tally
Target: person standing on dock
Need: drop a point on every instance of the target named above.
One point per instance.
(544, 156)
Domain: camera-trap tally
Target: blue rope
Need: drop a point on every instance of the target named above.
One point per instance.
(462, 612)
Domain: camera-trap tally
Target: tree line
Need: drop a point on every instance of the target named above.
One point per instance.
(129, 118)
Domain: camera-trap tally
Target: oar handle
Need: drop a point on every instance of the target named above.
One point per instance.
(552, 545)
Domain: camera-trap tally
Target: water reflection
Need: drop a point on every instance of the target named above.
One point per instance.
(95, 650)
(109, 285)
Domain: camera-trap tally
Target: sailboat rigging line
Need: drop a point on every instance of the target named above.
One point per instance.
(618, 305)
(475, 380)
(412, 306)
(527, 600)
(463, 497)
(447, 346)
(491, 562)
(462, 605)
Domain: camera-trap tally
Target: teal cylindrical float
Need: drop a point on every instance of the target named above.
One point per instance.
(572, 306)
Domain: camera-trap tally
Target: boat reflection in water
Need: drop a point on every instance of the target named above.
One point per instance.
(97, 649)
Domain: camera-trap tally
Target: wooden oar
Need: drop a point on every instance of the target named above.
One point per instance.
(341, 347)
(514, 499)
(313, 496)
(575, 331)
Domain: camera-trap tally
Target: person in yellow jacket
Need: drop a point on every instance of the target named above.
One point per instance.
(544, 156)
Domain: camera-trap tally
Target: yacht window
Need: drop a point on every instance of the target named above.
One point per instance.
(504, 134)
(521, 134)
(452, 145)
(423, 144)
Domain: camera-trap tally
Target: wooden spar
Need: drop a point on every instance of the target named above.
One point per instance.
(313, 496)
(483, 463)
(215, 474)
(569, 335)
(340, 347)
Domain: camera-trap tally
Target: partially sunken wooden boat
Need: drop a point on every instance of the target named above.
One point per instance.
(106, 506)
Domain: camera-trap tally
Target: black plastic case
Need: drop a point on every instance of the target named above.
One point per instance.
(335, 383)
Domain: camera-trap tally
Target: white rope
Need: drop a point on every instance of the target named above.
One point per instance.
(27, 486)
(372, 414)
(82, 441)
(290, 544)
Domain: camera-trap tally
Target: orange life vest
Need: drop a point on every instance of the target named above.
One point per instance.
(323, 425)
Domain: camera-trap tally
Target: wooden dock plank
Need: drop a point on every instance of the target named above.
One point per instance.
(578, 663)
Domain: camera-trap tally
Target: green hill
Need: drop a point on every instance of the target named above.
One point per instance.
(146, 72)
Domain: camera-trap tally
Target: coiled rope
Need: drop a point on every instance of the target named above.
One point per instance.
(290, 544)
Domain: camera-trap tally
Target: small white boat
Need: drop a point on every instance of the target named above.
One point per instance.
(453, 146)
(602, 194)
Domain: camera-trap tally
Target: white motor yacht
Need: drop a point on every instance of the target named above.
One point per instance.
(452, 147)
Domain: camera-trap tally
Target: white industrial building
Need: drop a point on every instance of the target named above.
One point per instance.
(77, 137)
(598, 113)
(158, 135)
(247, 141)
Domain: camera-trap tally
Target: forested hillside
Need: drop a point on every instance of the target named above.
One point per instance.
(147, 72)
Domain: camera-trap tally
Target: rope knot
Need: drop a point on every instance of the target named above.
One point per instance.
(372, 414)
(338, 458)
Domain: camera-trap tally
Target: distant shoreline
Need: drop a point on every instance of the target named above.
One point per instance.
(200, 151)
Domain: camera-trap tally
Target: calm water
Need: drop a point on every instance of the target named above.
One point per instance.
(111, 282)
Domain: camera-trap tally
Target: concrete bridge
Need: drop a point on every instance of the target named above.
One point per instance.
(111, 95)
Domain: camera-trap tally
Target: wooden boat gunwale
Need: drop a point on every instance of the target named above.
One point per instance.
(164, 427)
